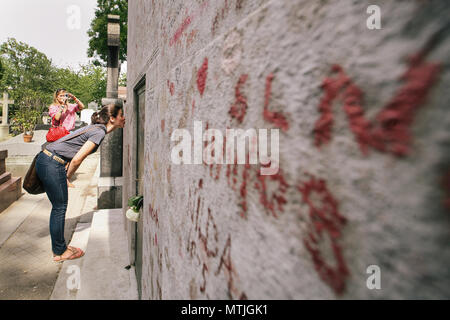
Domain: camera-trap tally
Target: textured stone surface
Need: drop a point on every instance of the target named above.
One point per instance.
(210, 233)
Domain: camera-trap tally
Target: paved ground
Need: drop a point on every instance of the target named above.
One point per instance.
(16, 146)
(26, 267)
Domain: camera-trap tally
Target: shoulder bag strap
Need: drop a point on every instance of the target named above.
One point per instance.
(68, 137)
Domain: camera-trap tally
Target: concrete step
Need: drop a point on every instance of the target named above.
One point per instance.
(102, 271)
(10, 191)
(69, 279)
(4, 177)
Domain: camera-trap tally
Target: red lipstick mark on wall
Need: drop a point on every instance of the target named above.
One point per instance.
(153, 214)
(171, 87)
(201, 76)
(325, 219)
(219, 17)
(390, 131)
(186, 22)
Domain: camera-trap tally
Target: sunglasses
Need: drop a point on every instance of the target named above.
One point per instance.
(60, 89)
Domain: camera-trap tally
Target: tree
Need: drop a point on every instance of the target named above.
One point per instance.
(33, 80)
(88, 84)
(98, 36)
(123, 79)
(26, 71)
(2, 69)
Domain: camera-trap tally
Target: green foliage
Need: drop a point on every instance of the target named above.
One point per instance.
(28, 113)
(88, 84)
(24, 69)
(31, 79)
(123, 79)
(98, 35)
(2, 69)
(135, 203)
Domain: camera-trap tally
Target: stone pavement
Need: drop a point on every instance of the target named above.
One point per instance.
(21, 154)
(26, 267)
(104, 272)
(16, 146)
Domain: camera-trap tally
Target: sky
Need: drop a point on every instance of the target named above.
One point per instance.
(57, 28)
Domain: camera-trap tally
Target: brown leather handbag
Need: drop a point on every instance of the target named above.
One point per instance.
(31, 182)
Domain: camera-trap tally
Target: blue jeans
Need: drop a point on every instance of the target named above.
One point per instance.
(54, 178)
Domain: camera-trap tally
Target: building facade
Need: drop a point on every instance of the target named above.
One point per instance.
(357, 206)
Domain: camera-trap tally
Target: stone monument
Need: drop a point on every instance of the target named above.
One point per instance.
(85, 115)
(10, 187)
(110, 181)
(4, 126)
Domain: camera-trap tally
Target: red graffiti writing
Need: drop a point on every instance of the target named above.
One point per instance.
(325, 219)
(225, 261)
(277, 118)
(272, 198)
(203, 286)
(243, 190)
(204, 237)
(390, 131)
(239, 107)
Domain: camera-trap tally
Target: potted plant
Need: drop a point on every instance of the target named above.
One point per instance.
(24, 121)
(134, 203)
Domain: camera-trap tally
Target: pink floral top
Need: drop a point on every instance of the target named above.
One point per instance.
(67, 119)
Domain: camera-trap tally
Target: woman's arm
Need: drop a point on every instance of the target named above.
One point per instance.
(55, 111)
(85, 150)
(60, 112)
(78, 102)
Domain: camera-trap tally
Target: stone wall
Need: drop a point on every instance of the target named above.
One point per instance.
(364, 148)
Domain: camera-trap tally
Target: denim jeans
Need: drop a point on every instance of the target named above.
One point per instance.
(54, 178)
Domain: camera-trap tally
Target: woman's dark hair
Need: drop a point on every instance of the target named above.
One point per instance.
(102, 116)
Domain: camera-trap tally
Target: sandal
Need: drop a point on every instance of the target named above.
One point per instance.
(76, 253)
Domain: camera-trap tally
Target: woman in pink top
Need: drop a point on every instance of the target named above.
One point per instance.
(62, 112)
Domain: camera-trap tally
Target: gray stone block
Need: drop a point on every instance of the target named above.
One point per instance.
(10, 191)
(111, 155)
